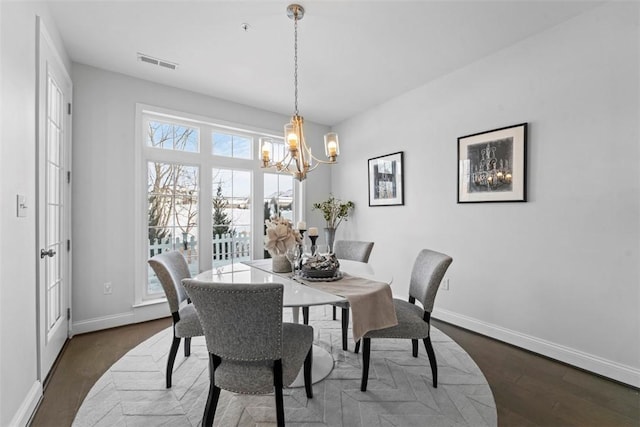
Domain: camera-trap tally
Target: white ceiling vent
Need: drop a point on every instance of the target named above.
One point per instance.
(155, 61)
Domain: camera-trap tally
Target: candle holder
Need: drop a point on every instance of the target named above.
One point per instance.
(313, 244)
(301, 248)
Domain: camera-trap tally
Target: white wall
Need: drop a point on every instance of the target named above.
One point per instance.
(103, 184)
(558, 274)
(20, 387)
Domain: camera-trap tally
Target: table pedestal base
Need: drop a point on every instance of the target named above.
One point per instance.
(320, 369)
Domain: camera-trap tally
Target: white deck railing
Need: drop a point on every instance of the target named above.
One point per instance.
(227, 248)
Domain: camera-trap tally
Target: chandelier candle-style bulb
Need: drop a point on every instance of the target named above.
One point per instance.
(291, 136)
(266, 148)
(331, 146)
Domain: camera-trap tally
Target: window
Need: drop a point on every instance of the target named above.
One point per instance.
(231, 216)
(172, 137)
(172, 214)
(200, 183)
(230, 145)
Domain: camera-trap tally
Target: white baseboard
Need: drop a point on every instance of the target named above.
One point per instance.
(598, 365)
(138, 314)
(28, 406)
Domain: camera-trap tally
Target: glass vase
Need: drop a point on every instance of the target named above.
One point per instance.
(329, 237)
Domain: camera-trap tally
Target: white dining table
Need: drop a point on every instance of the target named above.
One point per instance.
(295, 295)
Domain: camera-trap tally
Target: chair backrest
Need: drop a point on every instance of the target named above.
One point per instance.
(353, 250)
(428, 270)
(240, 321)
(171, 268)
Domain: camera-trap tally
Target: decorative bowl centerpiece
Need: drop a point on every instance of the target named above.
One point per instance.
(321, 267)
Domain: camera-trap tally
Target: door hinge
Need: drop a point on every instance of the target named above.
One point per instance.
(68, 177)
(68, 245)
(68, 313)
(69, 108)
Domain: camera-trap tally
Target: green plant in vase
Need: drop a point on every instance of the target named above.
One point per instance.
(334, 212)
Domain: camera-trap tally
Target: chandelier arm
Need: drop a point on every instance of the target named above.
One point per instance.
(301, 164)
(290, 158)
(326, 162)
(313, 167)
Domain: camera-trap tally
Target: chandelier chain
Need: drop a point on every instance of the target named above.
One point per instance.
(297, 158)
(295, 61)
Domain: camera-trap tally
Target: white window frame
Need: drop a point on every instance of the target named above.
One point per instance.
(206, 161)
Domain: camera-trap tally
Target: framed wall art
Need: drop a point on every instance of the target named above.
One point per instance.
(386, 180)
(492, 166)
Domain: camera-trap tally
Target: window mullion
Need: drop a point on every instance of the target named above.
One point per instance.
(206, 192)
(258, 214)
(168, 156)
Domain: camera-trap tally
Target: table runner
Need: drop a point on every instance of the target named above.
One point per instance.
(371, 301)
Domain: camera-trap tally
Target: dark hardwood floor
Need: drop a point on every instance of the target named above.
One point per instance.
(83, 361)
(529, 390)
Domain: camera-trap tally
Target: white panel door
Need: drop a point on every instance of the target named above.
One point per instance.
(54, 142)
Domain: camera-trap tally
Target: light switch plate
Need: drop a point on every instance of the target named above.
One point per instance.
(21, 205)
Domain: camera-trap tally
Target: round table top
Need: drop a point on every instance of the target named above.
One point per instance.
(296, 294)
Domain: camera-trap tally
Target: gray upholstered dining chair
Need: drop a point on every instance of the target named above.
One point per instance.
(413, 321)
(251, 351)
(356, 251)
(171, 268)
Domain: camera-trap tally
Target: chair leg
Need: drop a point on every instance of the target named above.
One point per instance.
(305, 315)
(414, 345)
(345, 328)
(277, 384)
(432, 360)
(171, 358)
(308, 382)
(366, 352)
(357, 349)
(187, 347)
(334, 313)
(214, 393)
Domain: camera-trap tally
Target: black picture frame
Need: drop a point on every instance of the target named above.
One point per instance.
(492, 165)
(386, 180)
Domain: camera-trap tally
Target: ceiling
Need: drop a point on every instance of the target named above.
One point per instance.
(353, 55)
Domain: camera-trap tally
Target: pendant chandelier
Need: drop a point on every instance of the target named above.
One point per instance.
(297, 158)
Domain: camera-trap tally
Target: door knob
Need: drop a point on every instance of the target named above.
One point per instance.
(49, 253)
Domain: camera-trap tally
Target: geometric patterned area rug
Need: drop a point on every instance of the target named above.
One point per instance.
(400, 392)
